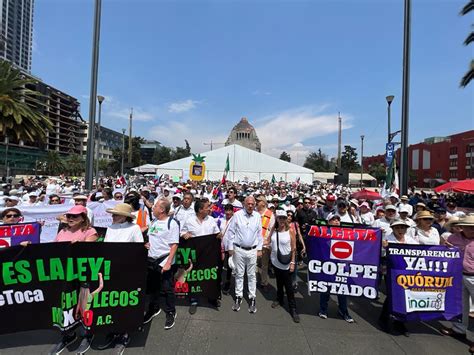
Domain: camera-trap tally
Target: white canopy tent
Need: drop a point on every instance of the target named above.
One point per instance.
(147, 168)
(354, 178)
(245, 165)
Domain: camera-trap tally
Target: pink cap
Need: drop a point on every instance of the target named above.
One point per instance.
(77, 210)
(364, 204)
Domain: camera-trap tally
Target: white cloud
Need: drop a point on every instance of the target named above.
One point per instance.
(182, 106)
(297, 125)
(139, 114)
(113, 108)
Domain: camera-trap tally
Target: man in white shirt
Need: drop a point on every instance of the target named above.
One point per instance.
(163, 237)
(186, 209)
(198, 225)
(245, 245)
(342, 212)
(404, 203)
(232, 198)
(384, 222)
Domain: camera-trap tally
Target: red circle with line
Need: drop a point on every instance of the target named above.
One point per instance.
(3, 243)
(341, 250)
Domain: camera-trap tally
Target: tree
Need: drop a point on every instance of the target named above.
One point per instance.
(181, 152)
(285, 156)
(349, 159)
(378, 172)
(54, 163)
(318, 162)
(136, 155)
(75, 164)
(162, 155)
(470, 38)
(18, 117)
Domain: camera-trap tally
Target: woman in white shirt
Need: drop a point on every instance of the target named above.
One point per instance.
(123, 229)
(423, 232)
(283, 245)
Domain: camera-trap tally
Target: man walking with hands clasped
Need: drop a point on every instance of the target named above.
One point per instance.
(245, 245)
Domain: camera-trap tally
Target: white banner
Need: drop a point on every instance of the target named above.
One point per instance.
(48, 215)
(101, 217)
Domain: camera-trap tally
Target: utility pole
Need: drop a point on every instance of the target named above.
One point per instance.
(130, 138)
(405, 100)
(123, 151)
(93, 95)
(211, 143)
(361, 160)
(339, 142)
(101, 99)
(389, 103)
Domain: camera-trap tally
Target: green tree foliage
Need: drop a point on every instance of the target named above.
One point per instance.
(54, 163)
(162, 155)
(349, 159)
(378, 172)
(75, 165)
(181, 152)
(470, 38)
(18, 116)
(285, 156)
(318, 162)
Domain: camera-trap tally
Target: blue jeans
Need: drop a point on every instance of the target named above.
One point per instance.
(324, 300)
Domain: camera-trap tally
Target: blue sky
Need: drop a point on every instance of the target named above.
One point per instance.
(191, 69)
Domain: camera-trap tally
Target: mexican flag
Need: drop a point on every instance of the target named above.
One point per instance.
(226, 170)
(273, 179)
(391, 181)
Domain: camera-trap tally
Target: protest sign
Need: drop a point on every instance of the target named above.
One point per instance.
(343, 260)
(198, 261)
(58, 285)
(102, 218)
(425, 282)
(14, 234)
(47, 214)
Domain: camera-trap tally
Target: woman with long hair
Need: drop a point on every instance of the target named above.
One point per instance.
(283, 258)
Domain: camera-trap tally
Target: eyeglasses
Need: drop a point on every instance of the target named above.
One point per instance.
(12, 215)
(72, 216)
(118, 196)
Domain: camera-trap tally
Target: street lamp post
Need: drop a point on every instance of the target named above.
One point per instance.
(123, 151)
(389, 102)
(6, 156)
(361, 159)
(405, 100)
(93, 94)
(101, 99)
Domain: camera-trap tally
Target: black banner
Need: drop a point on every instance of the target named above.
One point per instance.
(101, 285)
(198, 261)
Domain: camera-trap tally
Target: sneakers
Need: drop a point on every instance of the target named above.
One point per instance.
(346, 317)
(85, 345)
(322, 315)
(193, 308)
(110, 339)
(236, 305)
(253, 306)
(150, 315)
(121, 344)
(295, 316)
(65, 341)
(170, 320)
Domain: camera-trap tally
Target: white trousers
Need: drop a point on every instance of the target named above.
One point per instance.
(467, 294)
(245, 260)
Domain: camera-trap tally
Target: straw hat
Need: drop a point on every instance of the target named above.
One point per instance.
(466, 221)
(399, 222)
(452, 221)
(122, 209)
(80, 197)
(424, 214)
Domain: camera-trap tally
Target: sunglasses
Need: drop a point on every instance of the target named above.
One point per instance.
(426, 219)
(72, 216)
(118, 196)
(12, 215)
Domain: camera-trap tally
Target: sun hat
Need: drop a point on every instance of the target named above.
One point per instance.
(79, 197)
(179, 196)
(399, 222)
(394, 195)
(452, 221)
(466, 221)
(424, 214)
(12, 198)
(390, 207)
(334, 216)
(403, 209)
(280, 213)
(121, 209)
(77, 210)
(364, 204)
(354, 202)
(420, 204)
(404, 198)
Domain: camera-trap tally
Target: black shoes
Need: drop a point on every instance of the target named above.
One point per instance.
(170, 320)
(150, 314)
(65, 341)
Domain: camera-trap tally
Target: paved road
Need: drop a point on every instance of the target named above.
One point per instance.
(269, 331)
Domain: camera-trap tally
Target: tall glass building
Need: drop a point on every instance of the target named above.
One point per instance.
(16, 36)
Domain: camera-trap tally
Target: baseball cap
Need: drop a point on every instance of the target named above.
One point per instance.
(77, 210)
(280, 213)
(390, 207)
(403, 209)
(330, 197)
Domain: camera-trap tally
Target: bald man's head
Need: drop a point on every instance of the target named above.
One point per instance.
(249, 204)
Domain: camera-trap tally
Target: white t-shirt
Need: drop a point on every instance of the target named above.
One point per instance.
(408, 239)
(426, 238)
(124, 232)
(161, 238)
(236, 203)
(285, 248)
(198, 228)
(367, 218)
(182, 213)
(383, 224)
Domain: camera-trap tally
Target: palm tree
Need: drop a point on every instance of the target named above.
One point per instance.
(18, 118)
(470, 38)
(75, 164)
(54, 163)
